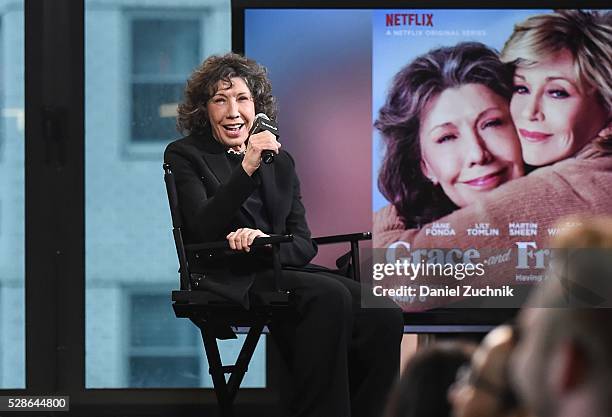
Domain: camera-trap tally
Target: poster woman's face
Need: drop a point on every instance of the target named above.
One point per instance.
(553, 116)
(468, 142)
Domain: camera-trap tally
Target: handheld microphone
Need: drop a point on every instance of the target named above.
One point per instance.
(262, 122)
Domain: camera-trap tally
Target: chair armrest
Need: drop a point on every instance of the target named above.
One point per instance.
(224, 244)
(351, 237)
(354, 239)
(223, 247)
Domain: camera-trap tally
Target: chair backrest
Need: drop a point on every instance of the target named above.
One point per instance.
(177, 222)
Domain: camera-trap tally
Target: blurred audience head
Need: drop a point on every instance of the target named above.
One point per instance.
(421, 391)
(563, 362)
(482, 388)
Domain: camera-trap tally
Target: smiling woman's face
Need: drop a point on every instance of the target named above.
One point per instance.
(468, 142)
(231, 112)
(555, 118)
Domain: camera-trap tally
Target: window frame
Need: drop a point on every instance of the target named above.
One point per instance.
(152, 149)
(131, 351)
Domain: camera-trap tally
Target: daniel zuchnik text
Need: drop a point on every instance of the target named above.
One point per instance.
(446, 291)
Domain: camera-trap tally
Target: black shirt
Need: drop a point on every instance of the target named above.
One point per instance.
(254, 205)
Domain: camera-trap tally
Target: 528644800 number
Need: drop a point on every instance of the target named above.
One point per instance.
(34, 403)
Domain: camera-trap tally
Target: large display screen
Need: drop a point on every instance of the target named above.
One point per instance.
(407, 122)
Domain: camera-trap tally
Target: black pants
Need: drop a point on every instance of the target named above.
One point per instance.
(343, 359)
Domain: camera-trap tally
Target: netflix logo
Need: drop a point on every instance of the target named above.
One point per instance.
(409, 19)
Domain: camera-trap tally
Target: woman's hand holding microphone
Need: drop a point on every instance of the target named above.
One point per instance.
(256, 144)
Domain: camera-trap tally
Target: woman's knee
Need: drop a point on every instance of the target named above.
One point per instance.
(327, 296)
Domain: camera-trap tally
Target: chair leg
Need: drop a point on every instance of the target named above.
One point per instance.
(226, 391)
(215, 368)
(244, 358)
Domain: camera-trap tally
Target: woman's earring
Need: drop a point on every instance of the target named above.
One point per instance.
(433, 180)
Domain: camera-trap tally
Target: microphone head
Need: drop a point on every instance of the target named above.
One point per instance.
(262, 116)
(263, 122)
(267, 156)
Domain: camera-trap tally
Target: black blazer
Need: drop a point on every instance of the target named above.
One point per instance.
(211, 194)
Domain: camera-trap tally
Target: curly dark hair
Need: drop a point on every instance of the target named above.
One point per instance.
(202, 85)
(401, 180)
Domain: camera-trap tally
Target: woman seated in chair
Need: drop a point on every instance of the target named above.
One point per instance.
(342, 357)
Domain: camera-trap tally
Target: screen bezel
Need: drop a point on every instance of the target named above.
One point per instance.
(238, 8)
